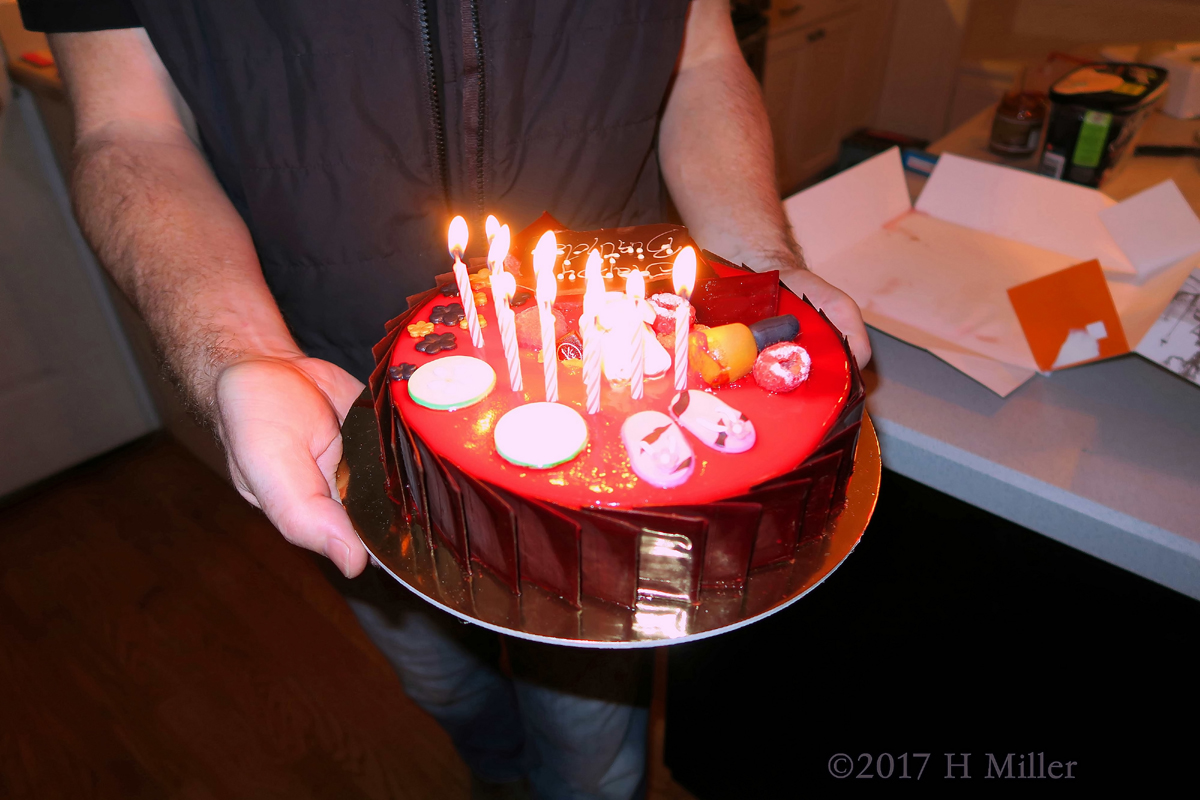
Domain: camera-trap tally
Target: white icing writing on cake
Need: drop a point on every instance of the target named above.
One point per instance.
(620, 257)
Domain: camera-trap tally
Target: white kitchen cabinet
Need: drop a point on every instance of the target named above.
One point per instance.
(69, 386)
(784, 15)
(822, 78)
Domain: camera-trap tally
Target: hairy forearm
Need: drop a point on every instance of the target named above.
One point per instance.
(166, 232)
(719, 164)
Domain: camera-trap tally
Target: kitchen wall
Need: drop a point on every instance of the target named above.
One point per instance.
(1031, 28)
(923, 57)
(949, 59)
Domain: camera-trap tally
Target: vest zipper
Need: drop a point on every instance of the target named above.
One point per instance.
(476, 45)
(435, 105)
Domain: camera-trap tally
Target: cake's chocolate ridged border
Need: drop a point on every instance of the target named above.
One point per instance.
(378, 382)
(597, 551)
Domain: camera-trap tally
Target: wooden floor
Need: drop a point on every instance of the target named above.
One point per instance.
(158, 639)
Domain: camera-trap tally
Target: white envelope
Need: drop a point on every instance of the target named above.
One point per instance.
(937, 276)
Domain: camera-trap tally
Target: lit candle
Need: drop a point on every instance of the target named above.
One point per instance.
(491, 227)
(635, 290)
(683, 274)
(458, 244)
(544, 256)
(593, 299)
(504, 286)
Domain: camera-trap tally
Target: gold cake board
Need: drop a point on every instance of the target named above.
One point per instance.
(402, 551)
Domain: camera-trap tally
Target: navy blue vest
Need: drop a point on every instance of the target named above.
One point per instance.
(348, 133)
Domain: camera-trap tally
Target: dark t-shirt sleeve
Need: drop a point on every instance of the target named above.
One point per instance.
(77, 16)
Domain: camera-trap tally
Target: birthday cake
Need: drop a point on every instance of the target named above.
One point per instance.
(665, 495)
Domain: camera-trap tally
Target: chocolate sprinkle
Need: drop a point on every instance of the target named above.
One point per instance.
(402, 371)
(721, 437)
(652, 436)
(681, 404)
(436, 343)
(449, 315)
(519, 299)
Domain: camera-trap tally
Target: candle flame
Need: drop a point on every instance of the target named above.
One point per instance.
(504, 284)
(545, 254)
(593, 292)
(683, 273)
(458, 236)
(499, 249)
(547, 286)
(635, 285)
(491, 227)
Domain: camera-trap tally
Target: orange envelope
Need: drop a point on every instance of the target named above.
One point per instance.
(1068, 317)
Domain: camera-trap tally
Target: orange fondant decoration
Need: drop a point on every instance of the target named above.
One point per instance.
(1069, 318)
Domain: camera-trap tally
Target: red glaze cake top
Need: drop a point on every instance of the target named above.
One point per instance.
(790, 426)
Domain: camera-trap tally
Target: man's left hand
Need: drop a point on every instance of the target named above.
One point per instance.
(837, 305)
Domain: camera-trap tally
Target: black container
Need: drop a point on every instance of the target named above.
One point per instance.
(1089, 132)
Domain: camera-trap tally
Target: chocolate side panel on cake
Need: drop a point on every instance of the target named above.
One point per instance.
(446, 515)
(725, 557)
(491, 526)
(783, 506)
(378, 385)
(823, 471)
(549, 547)
(412, 471)
(608, 557)
(387, 433)
(670, 552)
(382, 404)
(845, 443)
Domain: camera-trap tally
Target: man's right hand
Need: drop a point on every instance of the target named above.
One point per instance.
(280, 421)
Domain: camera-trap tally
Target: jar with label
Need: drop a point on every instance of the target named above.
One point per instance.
(1018, 123)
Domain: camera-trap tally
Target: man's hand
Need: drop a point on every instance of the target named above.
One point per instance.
(167, 233)
(837, 305)
(280, 421)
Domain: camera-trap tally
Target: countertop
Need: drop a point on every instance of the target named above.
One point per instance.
(1104, 457)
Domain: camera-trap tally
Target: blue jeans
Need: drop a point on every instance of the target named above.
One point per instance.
(572, 721)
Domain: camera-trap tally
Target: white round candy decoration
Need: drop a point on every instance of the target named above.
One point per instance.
(451, 383)
(540, 435)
